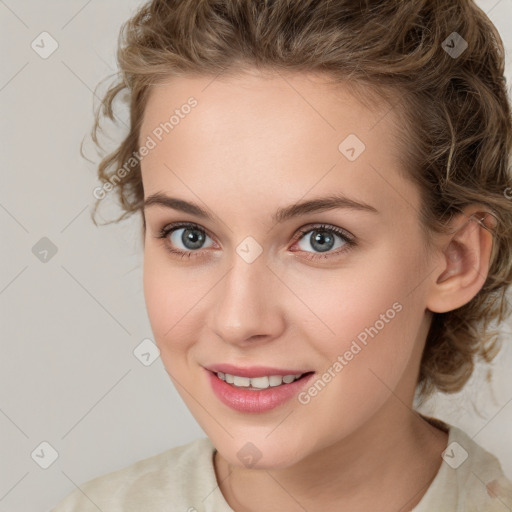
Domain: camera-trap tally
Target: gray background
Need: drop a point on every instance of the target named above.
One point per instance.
(69, 376)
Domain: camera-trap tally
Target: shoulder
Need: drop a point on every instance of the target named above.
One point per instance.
(172, 478)
(482, 482)
(470, 478)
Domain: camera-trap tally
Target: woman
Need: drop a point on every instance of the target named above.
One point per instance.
(326, 229)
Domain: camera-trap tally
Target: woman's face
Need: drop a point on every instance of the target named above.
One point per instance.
(263, 286)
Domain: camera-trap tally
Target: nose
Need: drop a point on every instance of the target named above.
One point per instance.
(247, 304)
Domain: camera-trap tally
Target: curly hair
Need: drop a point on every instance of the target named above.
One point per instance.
(439, 65)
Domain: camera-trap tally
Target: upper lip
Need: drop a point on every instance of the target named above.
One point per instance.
(253, 371)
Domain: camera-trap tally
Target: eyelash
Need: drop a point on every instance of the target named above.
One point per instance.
(349, 241)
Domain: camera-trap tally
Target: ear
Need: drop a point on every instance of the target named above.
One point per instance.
(464, 259)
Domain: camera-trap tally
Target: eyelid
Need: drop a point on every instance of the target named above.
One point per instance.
(320, 226)
(346, 236)
(173, 226)
(299, 232)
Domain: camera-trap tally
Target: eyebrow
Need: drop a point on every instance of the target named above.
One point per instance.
(319, 204)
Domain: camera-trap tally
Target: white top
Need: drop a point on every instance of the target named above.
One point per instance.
(183, 479)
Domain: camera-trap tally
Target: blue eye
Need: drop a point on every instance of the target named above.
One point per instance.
(192, 237)
(322, 239)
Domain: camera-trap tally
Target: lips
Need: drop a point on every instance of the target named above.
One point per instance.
(250, 400)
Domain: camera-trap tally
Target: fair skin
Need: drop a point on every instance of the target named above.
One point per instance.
(253, 145)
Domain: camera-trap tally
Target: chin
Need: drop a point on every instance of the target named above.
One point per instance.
(259, 454)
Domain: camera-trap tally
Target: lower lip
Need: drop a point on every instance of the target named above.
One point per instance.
(245, 400)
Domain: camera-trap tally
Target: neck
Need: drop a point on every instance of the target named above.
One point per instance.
(389, 462)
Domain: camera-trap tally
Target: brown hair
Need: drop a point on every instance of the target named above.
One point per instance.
(455, 123)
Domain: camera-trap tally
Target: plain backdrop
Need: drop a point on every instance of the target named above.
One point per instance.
(71, 296)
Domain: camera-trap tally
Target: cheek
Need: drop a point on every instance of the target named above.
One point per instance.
(365, 363)
(174, 297)
(156, 294)
(347, 302)
(370, 319)
(164, 296)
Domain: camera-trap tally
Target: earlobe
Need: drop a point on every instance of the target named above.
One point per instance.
(465, 262)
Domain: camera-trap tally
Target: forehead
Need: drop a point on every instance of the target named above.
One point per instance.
(283, 136)
(246, 103)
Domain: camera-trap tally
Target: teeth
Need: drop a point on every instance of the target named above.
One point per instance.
(275, 380)
(241, 382)
(258, 382)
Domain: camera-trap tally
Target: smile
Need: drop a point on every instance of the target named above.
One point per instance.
(256, 383)
(256, 394)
